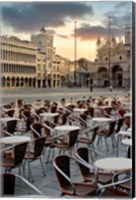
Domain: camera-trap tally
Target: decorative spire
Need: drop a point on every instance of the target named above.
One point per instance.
(98, 43)
(43, 30)
(113, 40)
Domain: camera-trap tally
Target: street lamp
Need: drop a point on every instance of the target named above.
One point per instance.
(75, 56)
(109, 50)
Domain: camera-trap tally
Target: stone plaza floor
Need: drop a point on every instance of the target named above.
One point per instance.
(48, 184)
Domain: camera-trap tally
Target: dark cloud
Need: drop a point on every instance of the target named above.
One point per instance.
(123, 4)
(120, 15)
(87, 32)
(30, 16)
(118, 21)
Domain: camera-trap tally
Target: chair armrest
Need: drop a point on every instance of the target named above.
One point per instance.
(119, 173)
(83, 162)
(97, 152)
(111, 184)
(6, 132)
(29, 184)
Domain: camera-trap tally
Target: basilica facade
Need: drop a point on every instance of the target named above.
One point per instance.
(112, 65)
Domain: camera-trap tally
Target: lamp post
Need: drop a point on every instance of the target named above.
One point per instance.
(75, 56)
(109, 51)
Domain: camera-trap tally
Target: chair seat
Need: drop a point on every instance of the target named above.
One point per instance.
(29, 155)
(7, 162)
(83, 189)
(103, 178)
(127, 185)
(111, 192)
(61, 145)
(103, 133)
(84, 140)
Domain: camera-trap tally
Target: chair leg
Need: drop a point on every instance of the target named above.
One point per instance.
(106, 144)
(30, 176)
(48, 156)
(60, 151)
(91, 156)
(118, 138)
(53, 153)
(23, 170)
(19, 169)
(42, 166)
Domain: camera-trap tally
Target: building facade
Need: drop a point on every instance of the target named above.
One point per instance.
(36, 64)
(18, 63)
(41, 80)
(113, 63)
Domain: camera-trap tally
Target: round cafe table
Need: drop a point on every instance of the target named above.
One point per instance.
(127, 142)
(6, 119)
(66, 128)
(15, 140)
(102, 119)
(128, 114)
(114, 164)
(79, 110)
(125, 133)
(48, 115)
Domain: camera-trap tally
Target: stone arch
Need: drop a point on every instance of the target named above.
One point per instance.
(30, 82)
(17, 81)
(3, 81)
(8, 81)
(13, 81)
(21, 81)
(103, 77)
(34, 82)
(117, 76)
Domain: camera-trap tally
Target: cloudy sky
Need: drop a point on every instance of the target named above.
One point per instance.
(26, 18)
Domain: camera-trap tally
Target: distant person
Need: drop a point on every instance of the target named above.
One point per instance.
(91, 87)
(111, 88)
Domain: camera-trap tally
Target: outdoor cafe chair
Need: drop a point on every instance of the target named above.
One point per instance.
(29, 119)
(44, 129)
(62, 168)
(34, 154)
(10, 112)
(13, 157)
(68, 143)
(108, 133)
(87, 136)
(87, 169)
(11, 126)
(9, 183)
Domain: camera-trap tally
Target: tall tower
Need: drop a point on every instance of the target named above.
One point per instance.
(44, 42)
(98, 46)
